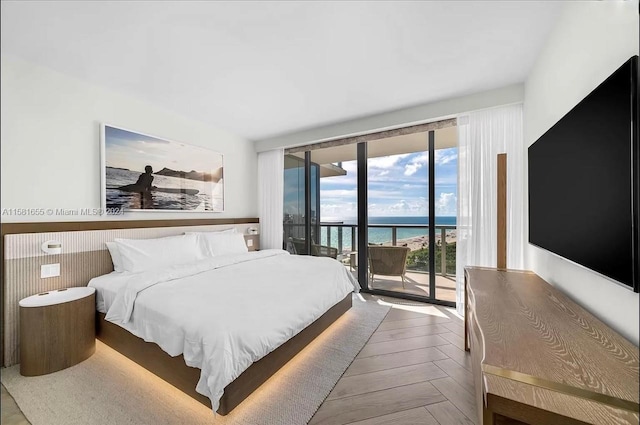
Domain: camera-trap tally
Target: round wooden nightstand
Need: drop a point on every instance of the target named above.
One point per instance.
(57, 330)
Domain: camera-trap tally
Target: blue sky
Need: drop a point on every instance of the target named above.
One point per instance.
(398, 186)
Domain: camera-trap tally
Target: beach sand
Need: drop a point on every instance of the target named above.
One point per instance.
(418, 242)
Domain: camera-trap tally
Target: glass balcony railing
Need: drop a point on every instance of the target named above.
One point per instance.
(344, 237)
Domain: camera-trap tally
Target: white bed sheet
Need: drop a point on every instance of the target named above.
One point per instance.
(225, 313)
(107, 287)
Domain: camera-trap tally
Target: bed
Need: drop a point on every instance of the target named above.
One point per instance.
(219, 327)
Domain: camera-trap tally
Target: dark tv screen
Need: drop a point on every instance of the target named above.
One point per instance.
(583, 181)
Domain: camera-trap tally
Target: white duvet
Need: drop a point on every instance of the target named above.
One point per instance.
(226, 312)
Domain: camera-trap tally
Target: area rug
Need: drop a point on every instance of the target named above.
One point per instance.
(110, 389)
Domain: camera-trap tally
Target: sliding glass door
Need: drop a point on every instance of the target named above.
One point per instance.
(398, 215)
(337, 200)
(301, 204)
(384, 208)
(445, 187)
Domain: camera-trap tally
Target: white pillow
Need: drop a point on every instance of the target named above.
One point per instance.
(116, 259)
(140, 255)
(214, 243)
(230, 230)
(203, 243)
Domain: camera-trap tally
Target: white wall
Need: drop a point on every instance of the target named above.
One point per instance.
(589, 42)
(51, 152)
(399, 118)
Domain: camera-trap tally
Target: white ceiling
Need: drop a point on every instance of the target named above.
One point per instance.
(264, 68)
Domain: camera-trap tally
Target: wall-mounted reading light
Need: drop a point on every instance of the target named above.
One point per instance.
(52, 247)
(252, 231)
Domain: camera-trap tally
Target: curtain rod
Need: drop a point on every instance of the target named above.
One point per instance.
(419, 128)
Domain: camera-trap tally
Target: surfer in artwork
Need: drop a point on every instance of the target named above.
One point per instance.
(144, 183)
(143, 186)
(145, 180)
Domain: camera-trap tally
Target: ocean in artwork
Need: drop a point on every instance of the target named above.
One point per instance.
(200, 201)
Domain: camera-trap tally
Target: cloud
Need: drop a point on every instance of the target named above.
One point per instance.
(382, 194)
(337, 193)
(446, 179)
(338, 211)
(385, 162)
(446, 204)
(411, 169)
(402, 207)
(422, 159)
(445, 156)
(350, 166)
(415, 164)
(349, 181)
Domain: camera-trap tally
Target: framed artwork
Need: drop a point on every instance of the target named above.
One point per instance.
(146, 173)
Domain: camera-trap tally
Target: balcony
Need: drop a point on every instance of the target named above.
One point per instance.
(343, 237)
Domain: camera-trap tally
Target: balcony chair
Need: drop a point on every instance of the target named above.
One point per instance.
(388, 261)
(316, 250)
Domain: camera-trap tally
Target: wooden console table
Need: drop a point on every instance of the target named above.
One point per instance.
(539, 358)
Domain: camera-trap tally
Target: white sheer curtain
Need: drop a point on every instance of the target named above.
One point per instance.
(271, 197)
(482, 136)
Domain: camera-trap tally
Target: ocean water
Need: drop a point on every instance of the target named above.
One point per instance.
(202, 201)
(383, 234)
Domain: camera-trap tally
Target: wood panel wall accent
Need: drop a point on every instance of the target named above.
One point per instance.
(73, 226)
(538, 357)
(84, 257)
(502, 211)
(419, 128)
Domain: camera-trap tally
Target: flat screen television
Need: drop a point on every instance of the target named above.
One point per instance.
(584, 181)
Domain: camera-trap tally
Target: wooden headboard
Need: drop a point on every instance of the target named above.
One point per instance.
(84, 256)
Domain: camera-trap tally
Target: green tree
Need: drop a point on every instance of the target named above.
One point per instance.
(419, 260)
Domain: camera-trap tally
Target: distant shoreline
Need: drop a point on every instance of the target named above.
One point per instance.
(415, 243)
(412, 231)
(189, 175)
(442, 220)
